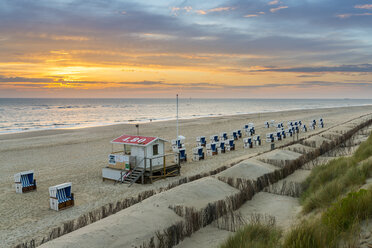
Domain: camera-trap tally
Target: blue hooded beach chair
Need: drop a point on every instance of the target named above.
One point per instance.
(24, 181)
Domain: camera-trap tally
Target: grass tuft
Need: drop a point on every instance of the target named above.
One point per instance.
(258, 235)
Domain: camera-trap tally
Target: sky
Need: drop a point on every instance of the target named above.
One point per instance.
(204, 49)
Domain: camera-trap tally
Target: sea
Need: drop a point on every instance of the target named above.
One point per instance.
(25, 114)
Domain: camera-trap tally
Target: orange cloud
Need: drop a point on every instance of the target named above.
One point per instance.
(219, 9)
(365, 6)
(250, 16)
(273, 10)
(273, 2)
(343, 16)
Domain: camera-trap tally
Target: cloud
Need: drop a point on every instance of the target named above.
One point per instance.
(341, 68)
(303, 84)
(250, 16)
(218, 9)
(308, 76)
(364, 6)
(343, 16)
(4, 79)
(201, 12)
(273, 2)
(176, 10)
(273, 10)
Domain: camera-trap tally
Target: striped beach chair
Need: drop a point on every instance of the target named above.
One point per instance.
(24, 181)
(198, 153)
(60, 196)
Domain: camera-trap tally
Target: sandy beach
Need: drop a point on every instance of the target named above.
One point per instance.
(78, 156)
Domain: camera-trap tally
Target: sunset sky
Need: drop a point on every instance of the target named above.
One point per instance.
(237, 48)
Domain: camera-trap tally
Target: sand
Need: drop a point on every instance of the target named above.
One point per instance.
(283, 208)
(279, 157)
(139, 223)
(248, 169)
(291, 185)
(208, 236)
(300, 148)
(78, 155)
(315, 141)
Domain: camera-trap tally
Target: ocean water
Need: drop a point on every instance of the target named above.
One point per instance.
(19, 115)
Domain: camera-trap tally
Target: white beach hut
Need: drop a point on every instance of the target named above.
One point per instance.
(139, 157)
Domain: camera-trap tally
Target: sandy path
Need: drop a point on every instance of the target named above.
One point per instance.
(78, 155)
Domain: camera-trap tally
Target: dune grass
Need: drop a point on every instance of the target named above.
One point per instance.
(328, 182)
(339, 224)
(256, 235)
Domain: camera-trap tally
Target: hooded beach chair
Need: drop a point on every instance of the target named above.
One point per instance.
(304, 128)
(283, 134)
(221, 147)
(257, 140)
(247, 142)
(201, 141)
(178, 143)
(214, 138)
(198, 153)
(24, 181)
(223, 136)
(270, 137)
(61, 196)
(211, 149)
(321, 123)
(289, 132)
(312, 125)
(230, 146)
(234, 135)
(183, 155)
(239, 132)
(279, 135)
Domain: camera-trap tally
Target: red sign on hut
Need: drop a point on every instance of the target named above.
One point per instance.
(134, 140)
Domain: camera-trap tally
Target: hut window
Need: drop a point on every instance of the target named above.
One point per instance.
(155, 149)
(127, 149)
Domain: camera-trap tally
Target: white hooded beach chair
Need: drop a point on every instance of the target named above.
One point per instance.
(24, 181)
(257, 140)
(234, 135)
(214, 138)
(230, 145)
(270, 137)
(239, 132)
(223, 136)
(198, 153)
(289, 132)
(304, 128)
(61, 196)
(211, 149)
(178, 143)
(201, 141)
(321, 123)
(221, 146)
(279, 135)
(248, 142)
